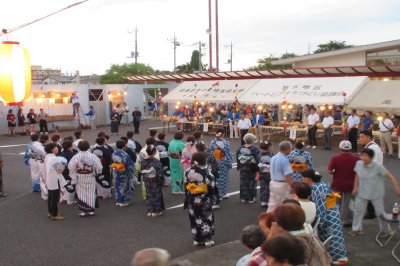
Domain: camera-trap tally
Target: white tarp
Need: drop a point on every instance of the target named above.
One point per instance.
(304, 90)
(378, 96)
(209, 90)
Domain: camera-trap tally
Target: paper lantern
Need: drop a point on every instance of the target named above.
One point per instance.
(52, 101)
(344, 94)
(15, 72)
(5, 104)
(65, 100)
(39, 101)
(110, 97)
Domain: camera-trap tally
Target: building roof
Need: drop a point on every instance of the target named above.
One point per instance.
(370, 48)
(369, 71)
(61, 78)
(92, 79)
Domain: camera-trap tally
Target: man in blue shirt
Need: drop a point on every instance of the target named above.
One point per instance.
(368, 122)
(281, 178)
(75, 103)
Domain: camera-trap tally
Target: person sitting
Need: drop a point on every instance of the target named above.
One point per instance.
(290, 218)
(252, 237)
(307, 226)
(301, 192)
(284, 250)
(218, 116)
(151, 257)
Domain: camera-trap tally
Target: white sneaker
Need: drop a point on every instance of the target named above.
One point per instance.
(252, 201)
(314, 147)
(308, 146)
(263, 203)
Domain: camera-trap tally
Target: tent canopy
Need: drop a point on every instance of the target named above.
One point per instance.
(315, 91)
(209, 90)
(378, 96)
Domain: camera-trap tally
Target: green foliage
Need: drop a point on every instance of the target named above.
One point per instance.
(265, 62)
(332, 46)
(116, 72)
(192, 66)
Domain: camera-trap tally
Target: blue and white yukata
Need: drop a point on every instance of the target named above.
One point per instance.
(212, 165)
(330, 224)
(34, 158)
(248, 159)
(124, 180)
(300, 157)
(265, 176)
(224, 162)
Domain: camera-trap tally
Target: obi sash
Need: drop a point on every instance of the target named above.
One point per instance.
(219, 155)
(195, 189)
(120, 167)
(331, 200)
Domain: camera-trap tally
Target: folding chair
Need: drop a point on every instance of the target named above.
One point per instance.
(388, 219)
(315, 223)
(327, 242)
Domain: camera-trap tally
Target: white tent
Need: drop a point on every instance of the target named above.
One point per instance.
(304, 90)
(378, 96)
(209, 90)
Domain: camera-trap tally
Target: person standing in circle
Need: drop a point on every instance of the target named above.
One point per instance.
(21, 122)
(11, 122)
(43, 122)
(137, 115)
(114, 121)
(31, 120)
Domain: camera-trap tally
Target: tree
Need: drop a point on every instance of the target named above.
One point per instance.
(332, 46)
(116, 72)
(194, 61)
(193, 65)
(265, 62)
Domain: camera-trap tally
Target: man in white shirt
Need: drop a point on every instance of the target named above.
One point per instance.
(258, 122)
(366, 139)
(352, 129)
(312, 121)
(327, 124)
(386, 128)
(125, 114)
(244, 125)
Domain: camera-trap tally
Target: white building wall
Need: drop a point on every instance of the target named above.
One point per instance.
(353, 59)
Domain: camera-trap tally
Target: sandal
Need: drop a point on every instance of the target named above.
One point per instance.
(91, 213)
(209, 244)
(156, 214)
(196, 244)
(3, 195)
(82, 214)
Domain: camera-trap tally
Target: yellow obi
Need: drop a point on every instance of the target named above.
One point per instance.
(331, 200)
(219, 155)
(195, 189)
(120, 167)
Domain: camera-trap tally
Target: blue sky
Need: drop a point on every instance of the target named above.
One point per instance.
(94, 35)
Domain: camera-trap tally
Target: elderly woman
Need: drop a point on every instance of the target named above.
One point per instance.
(328, 212)
(290, 218)
(222, 152)
(114, 121)
(301, 192)
(369, 186)
(175, 149)
(299, 160)
(248, 158)
(252, 238)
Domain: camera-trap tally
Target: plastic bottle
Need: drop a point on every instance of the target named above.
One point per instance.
(395, 212)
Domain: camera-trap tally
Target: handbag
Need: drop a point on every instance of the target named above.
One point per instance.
(258, 176)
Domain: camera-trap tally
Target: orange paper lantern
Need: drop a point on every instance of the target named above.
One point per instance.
(52, 101)
(39, 101)
(15, 72)
(65, 100)
(110, 97)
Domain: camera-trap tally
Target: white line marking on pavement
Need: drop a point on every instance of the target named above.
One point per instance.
(7, 146)
(16, 198)
(23, 153)
(161, 127)
(229, 194)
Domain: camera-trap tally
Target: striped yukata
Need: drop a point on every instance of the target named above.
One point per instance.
(330, 224)
(83, 168)
(224, 164)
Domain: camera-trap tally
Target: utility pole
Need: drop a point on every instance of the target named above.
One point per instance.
(175, 45)
(200, 67)
(309, 48)
(134, 54)
(210, 39)
(230, 61)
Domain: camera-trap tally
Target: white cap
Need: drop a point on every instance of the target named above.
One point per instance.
(345, 145)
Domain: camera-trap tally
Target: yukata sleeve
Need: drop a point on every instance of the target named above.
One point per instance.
(214, 166)
(26, 158)
(228, 154)
(310, 161)
(211, 183)
(159, 173)
(258, 155)
(237, 159)
(72, 170)
(97, 164)
(319, 198)
(212, 148)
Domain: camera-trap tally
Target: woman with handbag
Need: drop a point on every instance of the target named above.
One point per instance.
(199, 190)
(299, 160)
(153, 179)
(248, 158)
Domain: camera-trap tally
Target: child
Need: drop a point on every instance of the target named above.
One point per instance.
(200, 188)
(78, 135)
(133, 144)
(153, 134)
(265, 176)
(53, 180)
(187, 153)
(198, 136)
(91, 115)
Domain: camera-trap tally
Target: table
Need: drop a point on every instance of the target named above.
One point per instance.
(197, 125)
(388, 219)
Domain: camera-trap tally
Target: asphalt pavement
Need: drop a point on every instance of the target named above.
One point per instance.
(114, 234)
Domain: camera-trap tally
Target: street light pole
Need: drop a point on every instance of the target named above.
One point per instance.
(210, 39)
(200, 67)
(216, 34)
(174, 54)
